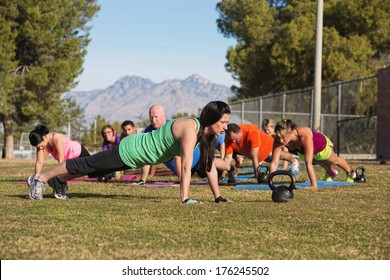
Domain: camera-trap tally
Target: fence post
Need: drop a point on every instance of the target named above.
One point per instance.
(242, 112)
(311, 108)
(339, 101)
(338, 138)
(260, 111)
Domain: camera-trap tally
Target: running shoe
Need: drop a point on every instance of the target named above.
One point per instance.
(351, 177)
(191, 201)
(221, 180)
(232, 175)
(30, 180)
(36, 187)
(59, 188)
(295, 166)
(332, 176)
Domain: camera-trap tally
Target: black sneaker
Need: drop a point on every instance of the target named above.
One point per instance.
(59, 188)
(232, 175)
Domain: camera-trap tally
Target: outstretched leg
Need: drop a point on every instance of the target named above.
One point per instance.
(339, 161)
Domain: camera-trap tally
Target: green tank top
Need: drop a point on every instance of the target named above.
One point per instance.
(151, 148)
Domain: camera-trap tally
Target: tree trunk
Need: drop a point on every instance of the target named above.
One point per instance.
(8, 149)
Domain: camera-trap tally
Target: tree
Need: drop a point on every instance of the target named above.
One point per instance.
(42, 50)
(276, 40)
(92, 139)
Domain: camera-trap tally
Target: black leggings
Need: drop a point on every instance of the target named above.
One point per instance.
(99, 164)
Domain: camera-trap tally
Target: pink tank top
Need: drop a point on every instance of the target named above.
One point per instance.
(72, 149)
(319, 143)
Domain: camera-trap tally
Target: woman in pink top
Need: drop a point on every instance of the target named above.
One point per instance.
(60, 147)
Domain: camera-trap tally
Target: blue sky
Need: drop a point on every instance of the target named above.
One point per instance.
(155, 39)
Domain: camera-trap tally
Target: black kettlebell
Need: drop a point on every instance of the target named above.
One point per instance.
(360, 177)
(281, 193)
(262, 174)
(102, 179)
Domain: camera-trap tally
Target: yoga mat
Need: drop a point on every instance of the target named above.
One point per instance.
(77, 180)
(113, 179)
(320, 185)
(164, 173)
(152, 185)
(324, 184)
(252, 187)
(203, 183)
(245, 176)
(128, 177)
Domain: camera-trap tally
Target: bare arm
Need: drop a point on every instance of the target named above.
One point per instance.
(41, 156)
(212, 176)
(184, 130)
(276, 151)
(178, 166)
(306, 141)
(255, 159)
(222, 150)
(145, 172)
(228, 160)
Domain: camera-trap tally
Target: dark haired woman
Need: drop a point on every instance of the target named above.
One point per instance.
(57, 145)
(176, 138)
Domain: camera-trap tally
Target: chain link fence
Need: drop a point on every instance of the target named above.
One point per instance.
(353, 135)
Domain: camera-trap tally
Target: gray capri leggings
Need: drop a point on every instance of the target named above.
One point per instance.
(99, 164)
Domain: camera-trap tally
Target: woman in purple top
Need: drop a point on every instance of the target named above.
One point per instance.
(311, 146)
(110, 137)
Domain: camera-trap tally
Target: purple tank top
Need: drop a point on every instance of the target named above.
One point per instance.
(106, 145)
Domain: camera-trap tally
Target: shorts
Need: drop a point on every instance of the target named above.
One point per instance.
(99, 164)
(84, 152)
(323, 155)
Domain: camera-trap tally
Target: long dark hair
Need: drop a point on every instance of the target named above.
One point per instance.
(210, 114)
(36, 136)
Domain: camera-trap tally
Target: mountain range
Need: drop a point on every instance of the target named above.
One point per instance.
(130, 97)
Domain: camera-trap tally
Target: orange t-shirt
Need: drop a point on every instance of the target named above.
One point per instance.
(252, 137)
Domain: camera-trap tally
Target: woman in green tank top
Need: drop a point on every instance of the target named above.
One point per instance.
(177, 138)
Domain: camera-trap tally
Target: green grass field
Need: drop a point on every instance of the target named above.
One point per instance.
(104, 221)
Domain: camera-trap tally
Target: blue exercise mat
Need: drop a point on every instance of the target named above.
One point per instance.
(245, 176)
(248, 168)
(324, 184)
(252, 187)
(320, 185)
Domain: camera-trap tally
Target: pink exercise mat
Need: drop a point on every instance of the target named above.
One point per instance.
(85, 179)
(113, 179)
(152, 185)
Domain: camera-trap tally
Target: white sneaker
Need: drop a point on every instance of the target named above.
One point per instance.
(295, 166)
(36, 187)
